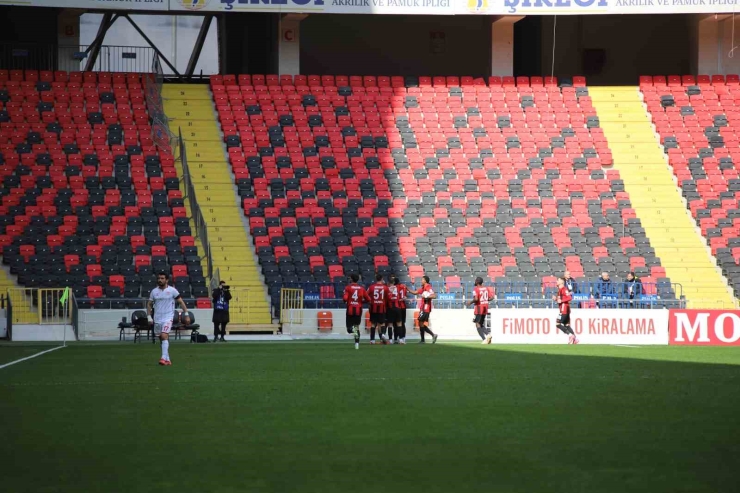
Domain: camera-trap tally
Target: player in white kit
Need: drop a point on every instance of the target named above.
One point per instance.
(162, 300)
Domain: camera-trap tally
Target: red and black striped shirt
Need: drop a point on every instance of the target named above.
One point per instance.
(355, 295)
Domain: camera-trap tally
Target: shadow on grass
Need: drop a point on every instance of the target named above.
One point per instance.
(324, 417)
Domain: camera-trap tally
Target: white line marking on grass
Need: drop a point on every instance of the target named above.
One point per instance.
(624, 345)
(29, 357)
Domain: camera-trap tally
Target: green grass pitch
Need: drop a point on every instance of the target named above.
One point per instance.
(324, 418)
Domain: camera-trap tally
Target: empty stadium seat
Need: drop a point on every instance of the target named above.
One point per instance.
(447, 176)
(697, 120)
(83, 185)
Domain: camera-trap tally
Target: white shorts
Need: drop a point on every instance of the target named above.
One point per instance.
(163, 328)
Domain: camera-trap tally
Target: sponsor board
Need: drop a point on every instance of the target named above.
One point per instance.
(704, 327)
(521, 326)
(608, 326)
(425, 7)
(418, 7)
(163, 5)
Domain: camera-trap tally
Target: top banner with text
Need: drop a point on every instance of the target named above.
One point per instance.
(420, 7)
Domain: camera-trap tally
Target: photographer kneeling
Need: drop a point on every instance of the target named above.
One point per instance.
(221, 298)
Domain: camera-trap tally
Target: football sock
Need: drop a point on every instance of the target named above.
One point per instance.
(165, 349)
(357, 335)
(390, 332)
(566, 329)
(481, 331)
(403, 330)
(372, 333)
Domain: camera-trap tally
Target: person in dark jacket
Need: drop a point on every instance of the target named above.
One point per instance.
(604, 292)
(632, 291)
(570, 283)
(221, 298)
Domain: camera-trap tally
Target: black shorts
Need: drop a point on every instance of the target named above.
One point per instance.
(564, 319)
(393, 316)
(480, 319)
(353, 320)
(377, 318)
(423, 317)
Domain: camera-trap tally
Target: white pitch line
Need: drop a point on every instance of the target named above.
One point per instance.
(624, 345)
(29, 357)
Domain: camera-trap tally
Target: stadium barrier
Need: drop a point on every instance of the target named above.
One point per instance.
(201, 228)
(34, 306)
(239, 306)
(704, 327)
(102, 325)
(517, 294)
(291, 306)
(510, 326)
(18, 55)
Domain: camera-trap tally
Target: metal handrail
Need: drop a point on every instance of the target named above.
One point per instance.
(201, 227)
(514, 294)
(40, 56)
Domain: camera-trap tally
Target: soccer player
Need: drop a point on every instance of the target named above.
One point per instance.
(161, 309)
(354, 296)
(379, 296)
(481, 297)
(425, 310)
(563, 322)
(397, 310)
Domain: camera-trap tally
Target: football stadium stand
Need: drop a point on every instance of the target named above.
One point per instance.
(88, 200)
(507, 178)
(655, 197)
(695, 119)
(190, 107)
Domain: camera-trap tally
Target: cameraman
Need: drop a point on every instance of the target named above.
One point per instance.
(221, 298)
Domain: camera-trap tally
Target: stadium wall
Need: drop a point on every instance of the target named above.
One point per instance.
(249, 43)
(517, 326)
(712, 44)
(101, 325)
(616, 50)
(42, 333)
(28, 25)
(3, 324)
(396, 45)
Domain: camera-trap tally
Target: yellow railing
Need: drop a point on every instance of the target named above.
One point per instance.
(239, 306)
(39, 306)
(291, 306)
(710, 303)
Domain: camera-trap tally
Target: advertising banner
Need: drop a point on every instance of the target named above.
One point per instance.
(421, 7)
(704, 327)
(592, 7)
(516, 326)
(608, 326)
(418, 7)
(163, 5)
(462, 7)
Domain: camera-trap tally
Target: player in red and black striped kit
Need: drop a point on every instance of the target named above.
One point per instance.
(563, 299)
(397, 310)
(425, 309)
(354, 296)
(481, 297)
(379, 301)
